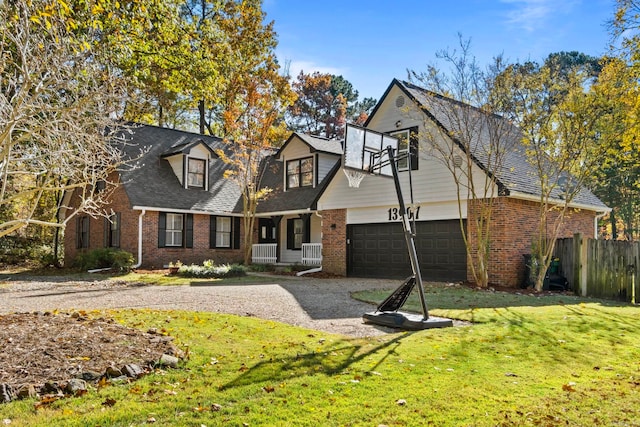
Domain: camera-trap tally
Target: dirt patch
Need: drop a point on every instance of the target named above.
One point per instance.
(41, 348)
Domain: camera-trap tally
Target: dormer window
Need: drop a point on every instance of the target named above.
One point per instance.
(300, 173)
(195, 173)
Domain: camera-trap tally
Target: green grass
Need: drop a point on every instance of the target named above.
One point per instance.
(538, 361)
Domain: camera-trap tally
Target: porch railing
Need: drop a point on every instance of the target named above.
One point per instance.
(264, 253)
(312, 253)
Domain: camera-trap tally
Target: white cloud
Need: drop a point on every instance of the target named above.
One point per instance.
(309, 67)
(532, 15)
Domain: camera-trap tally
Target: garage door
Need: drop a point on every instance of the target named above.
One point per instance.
(379, 250)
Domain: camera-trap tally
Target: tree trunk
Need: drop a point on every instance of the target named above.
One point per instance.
(201, 113)
(614, 229)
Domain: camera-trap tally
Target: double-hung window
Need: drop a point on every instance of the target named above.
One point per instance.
(82, 232)
(174, 230)
(407, 149)
(295, 233)
(300, 173)
(223, 232)
(112, 231)
(195, 173)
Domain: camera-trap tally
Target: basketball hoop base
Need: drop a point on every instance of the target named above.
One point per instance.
(405, 321)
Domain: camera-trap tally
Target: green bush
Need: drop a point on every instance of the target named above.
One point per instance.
(104, 258)
(213, 271)
(16, 250)
(262, 268)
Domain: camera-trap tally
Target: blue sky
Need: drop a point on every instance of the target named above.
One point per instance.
(371, 42)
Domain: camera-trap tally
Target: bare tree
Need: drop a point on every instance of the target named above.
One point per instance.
(56, 100)
(464, 134)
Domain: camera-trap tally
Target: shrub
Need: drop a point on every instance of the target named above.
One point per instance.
(104, 258)
(207, 269)
(16, 250)
(262, 268)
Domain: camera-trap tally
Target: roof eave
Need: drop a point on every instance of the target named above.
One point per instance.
(574, 205)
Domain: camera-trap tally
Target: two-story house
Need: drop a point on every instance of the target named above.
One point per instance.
(177, 204)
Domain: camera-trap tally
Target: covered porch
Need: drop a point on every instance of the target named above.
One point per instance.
(289, 239)
(267, 253)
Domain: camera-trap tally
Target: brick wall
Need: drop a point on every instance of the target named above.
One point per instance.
(152, 255)
(513, 224)
(155, 257)
(119, 202)
(334, 241)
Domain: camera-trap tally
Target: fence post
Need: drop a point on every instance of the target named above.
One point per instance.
(580, 263)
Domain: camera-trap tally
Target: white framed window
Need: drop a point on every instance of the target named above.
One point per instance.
(300, 173)
(223, 232)
(174, 230)
(195, 173)
(403, 148)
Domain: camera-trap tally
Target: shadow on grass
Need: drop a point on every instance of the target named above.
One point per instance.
(464, 298)
(330, 362)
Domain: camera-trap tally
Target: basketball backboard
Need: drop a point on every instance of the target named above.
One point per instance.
(363, 150)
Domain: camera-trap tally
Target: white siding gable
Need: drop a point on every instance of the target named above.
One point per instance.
(434, 188)
(178, 161)
(177, 164)
(298, 149)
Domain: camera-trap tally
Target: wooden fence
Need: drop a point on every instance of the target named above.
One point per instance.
(601, 268)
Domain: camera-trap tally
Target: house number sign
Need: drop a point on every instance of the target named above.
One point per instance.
(412, 213)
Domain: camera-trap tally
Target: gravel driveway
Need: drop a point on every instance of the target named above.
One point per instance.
(320, 304)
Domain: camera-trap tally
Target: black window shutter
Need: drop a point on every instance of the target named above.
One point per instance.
(413, 148)
(78, 232)
(307, 230)
(162, 229)
(107, 232)
(236, 233)
(212, 231)
(86, 232)
(188, 238)
(290, 234)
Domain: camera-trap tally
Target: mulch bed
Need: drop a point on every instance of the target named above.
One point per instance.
(41, 348)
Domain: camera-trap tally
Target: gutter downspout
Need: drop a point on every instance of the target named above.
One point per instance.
(595, 224)
(139, 263)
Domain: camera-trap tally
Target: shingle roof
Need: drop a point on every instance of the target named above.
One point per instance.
(315, 144)
(293, 199)
(515, 173)
(153, 184)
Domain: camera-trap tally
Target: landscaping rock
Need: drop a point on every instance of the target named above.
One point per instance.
(90, 376)
(27, 391)
(75, 386)
(132, 370)
(168, 360)
(113, 372)
(6, 393)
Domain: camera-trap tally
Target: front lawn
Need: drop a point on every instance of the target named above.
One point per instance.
(527, 360)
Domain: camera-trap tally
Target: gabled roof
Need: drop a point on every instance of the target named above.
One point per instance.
(152, 182)
(185, 143)
(295, 199)
(515, 174)
(315, 144)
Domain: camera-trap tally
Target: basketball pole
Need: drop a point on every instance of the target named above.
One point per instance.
(408, 233)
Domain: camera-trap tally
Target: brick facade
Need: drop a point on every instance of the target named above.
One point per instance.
(334, 241)
(152, 255)
(514, 222)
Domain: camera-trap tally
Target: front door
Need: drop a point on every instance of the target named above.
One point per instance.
(267, 231)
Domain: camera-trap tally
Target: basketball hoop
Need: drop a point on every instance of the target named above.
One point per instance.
(355, 177)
